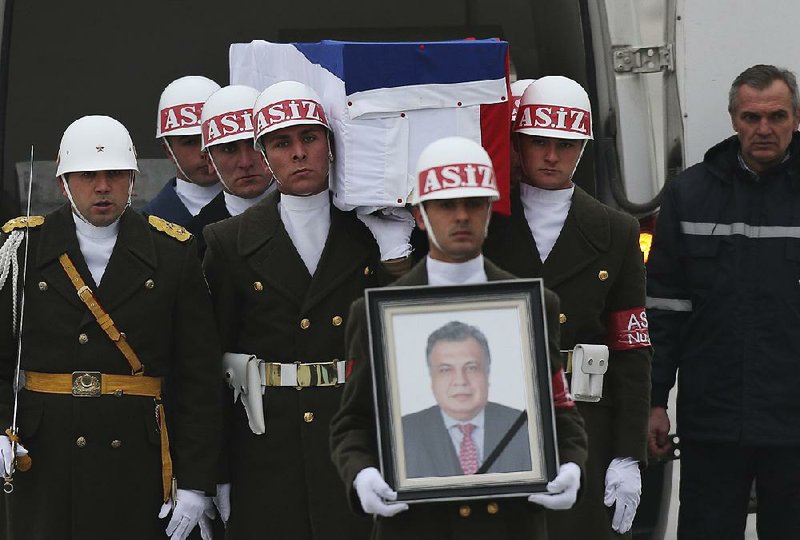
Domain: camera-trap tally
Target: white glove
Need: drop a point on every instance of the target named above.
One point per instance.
(562, 491)
(6, 458)
(623, 487)
(188, 509)
(222, 500)
(372, 490)
(392, 230)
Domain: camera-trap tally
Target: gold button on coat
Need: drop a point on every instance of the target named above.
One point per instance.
(562, 318)
(304, 324)
(149, 284)
(83, 339)
(80, 442)
(602, 275)
(258, 286)
(367, 270)
(308, 417)
(42, 285)
(116, 443)
(492, 508)
(464, 510)
(337, 321)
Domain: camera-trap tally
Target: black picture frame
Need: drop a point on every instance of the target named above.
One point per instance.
(414, 447)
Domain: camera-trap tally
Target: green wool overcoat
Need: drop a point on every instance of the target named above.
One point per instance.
(283, 483)
(96, 470)
(596, 268)
(354, 446)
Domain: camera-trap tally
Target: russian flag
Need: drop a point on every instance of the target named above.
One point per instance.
(387, 101)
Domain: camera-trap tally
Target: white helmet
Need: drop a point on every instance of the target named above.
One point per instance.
(556, 107)
(452, 168)
(285, 104)
(517, 89)
(96, 143)
(181, 104)
(228, 115)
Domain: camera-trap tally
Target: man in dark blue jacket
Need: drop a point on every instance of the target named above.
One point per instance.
(724, 309)
(194, 184)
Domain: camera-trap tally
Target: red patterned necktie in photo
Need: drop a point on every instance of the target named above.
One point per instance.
(468, 453)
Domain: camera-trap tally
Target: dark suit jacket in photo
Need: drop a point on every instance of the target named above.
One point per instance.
(429, 449)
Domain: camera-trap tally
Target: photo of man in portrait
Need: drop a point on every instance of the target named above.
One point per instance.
(464, 433)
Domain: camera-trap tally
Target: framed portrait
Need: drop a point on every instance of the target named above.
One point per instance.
(461, 380)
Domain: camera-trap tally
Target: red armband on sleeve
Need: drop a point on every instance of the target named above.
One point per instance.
(348, 367)
(562, 399)
(627, 329)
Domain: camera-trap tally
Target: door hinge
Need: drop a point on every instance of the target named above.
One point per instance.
(643, 59)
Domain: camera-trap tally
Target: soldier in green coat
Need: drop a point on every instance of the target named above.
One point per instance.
(454, 215)
(282, 276)
(118, 342)
(589, 255)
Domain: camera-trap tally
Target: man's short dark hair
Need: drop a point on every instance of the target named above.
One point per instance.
(760, 77)
(457, 331)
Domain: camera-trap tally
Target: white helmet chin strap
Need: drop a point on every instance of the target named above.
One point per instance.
(177, 163)
(579, 159)
(266, 160)
(71, 200)
(219, 174)
(130, 189)
(428, 228)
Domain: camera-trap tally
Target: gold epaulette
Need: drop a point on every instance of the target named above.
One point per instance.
(175, 231)
(22, 222)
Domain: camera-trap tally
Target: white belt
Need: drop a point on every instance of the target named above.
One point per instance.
(303, 375)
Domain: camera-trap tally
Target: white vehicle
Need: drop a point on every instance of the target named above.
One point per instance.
(658, 72)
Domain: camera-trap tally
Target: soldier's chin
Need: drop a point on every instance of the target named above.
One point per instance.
(100, 216)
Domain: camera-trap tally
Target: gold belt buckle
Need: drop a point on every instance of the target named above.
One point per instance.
(317, 374)
(272, 373)
(303, 375)
(86, 383)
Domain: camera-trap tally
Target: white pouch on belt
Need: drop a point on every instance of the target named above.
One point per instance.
(242, 374)
(589, 364)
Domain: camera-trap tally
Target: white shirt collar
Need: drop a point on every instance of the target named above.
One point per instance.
(236, 205)
(537, 195)
(195, 197)
(294, 204)
(307, 221)
(477, 420)
(90, 231)
(463, 273)
(96, 245)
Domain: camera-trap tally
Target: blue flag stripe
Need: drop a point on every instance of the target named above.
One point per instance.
(367, 66)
